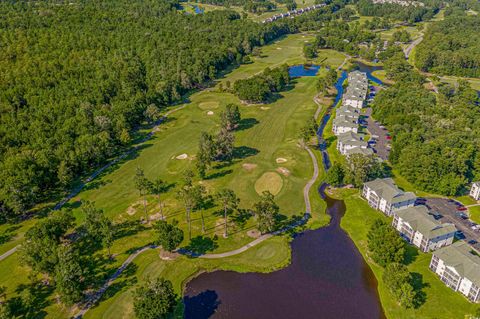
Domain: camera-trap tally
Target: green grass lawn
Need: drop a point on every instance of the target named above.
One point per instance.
(117, 302)
(475, 213)
(440, 301)
(266, 133)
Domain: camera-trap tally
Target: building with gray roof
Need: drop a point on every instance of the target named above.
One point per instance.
(383, 195)
(349, 141)
(458, 266)
(419, 228)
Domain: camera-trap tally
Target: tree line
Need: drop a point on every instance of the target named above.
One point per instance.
(259, 88)
(451, 47)
(394, 11)
(78, 79)
(435, 138)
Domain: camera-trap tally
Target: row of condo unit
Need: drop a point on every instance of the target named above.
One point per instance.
(346, 123)
(293, 13)
(457, 265)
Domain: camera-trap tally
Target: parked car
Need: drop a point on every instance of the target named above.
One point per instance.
(462, 208)
(459, 234)
(388, 137)
(472, 242)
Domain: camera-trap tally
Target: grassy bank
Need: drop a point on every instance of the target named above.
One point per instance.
(439, 302)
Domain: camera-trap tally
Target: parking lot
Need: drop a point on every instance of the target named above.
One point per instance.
(451, 211)
(379, 134)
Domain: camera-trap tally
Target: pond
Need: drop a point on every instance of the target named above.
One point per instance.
(369, 69)
(327, 278)
(303, 70)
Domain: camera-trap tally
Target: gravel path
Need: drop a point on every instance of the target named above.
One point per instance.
(10, 252)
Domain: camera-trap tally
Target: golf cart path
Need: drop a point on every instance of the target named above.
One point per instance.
(95, 174)
(93, 298)
(408, 50)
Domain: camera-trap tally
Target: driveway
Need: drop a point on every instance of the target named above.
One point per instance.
(447, 208)
(379, 134)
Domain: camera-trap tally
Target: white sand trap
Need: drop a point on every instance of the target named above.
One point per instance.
(279, 48)
(182, 156)
(281, 160)
(249, 166)
(265, 108)
(306, 41)
(209, 113)
(284, 171)
(131, 211)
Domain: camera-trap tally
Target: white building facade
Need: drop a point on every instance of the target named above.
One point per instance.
(459, 269)
(475, 191)
(385, 196)
(421, 229)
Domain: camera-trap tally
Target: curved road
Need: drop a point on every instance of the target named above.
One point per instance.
(408, 50)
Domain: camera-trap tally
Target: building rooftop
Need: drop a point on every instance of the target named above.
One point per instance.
(386, 188)
(459, 256)
(359, 150)
(419, 219)
(341, 122)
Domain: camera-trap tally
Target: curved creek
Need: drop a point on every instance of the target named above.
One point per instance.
(327, 277)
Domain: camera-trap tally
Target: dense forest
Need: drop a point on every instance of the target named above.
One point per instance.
(398, 12)
(435, 139)
(261, 87)
(77, 80)
(451, 47)
(253, 6)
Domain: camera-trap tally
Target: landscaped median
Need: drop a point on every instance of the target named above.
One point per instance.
(439, 300)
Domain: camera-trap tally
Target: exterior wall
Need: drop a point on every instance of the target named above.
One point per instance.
(448, 275)
(475, 192)
(371, 197)
(441, 241)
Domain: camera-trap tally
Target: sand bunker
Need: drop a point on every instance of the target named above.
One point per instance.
(209, 113)
(279, 48)
(249, 166)
(182, 156)
(253, 233)
(281, 160)
(269, 181)
(284, 171)
(166, 255)
(265, 108)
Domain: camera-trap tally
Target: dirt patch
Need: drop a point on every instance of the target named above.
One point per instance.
(166, 255)
(210, 113)
(284, 171)
(132, 209)
(253, 233)
(281, 160)
(269, 181)
(182, 156)
(249, 166)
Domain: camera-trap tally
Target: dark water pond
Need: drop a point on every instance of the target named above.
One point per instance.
(369, 69)
(327, 278)
(303, 70)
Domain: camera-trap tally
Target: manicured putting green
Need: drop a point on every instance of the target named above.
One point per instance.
(269, 181)
(208, 105)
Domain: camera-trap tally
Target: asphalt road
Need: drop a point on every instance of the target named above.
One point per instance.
(374, 128)
(447, 208)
